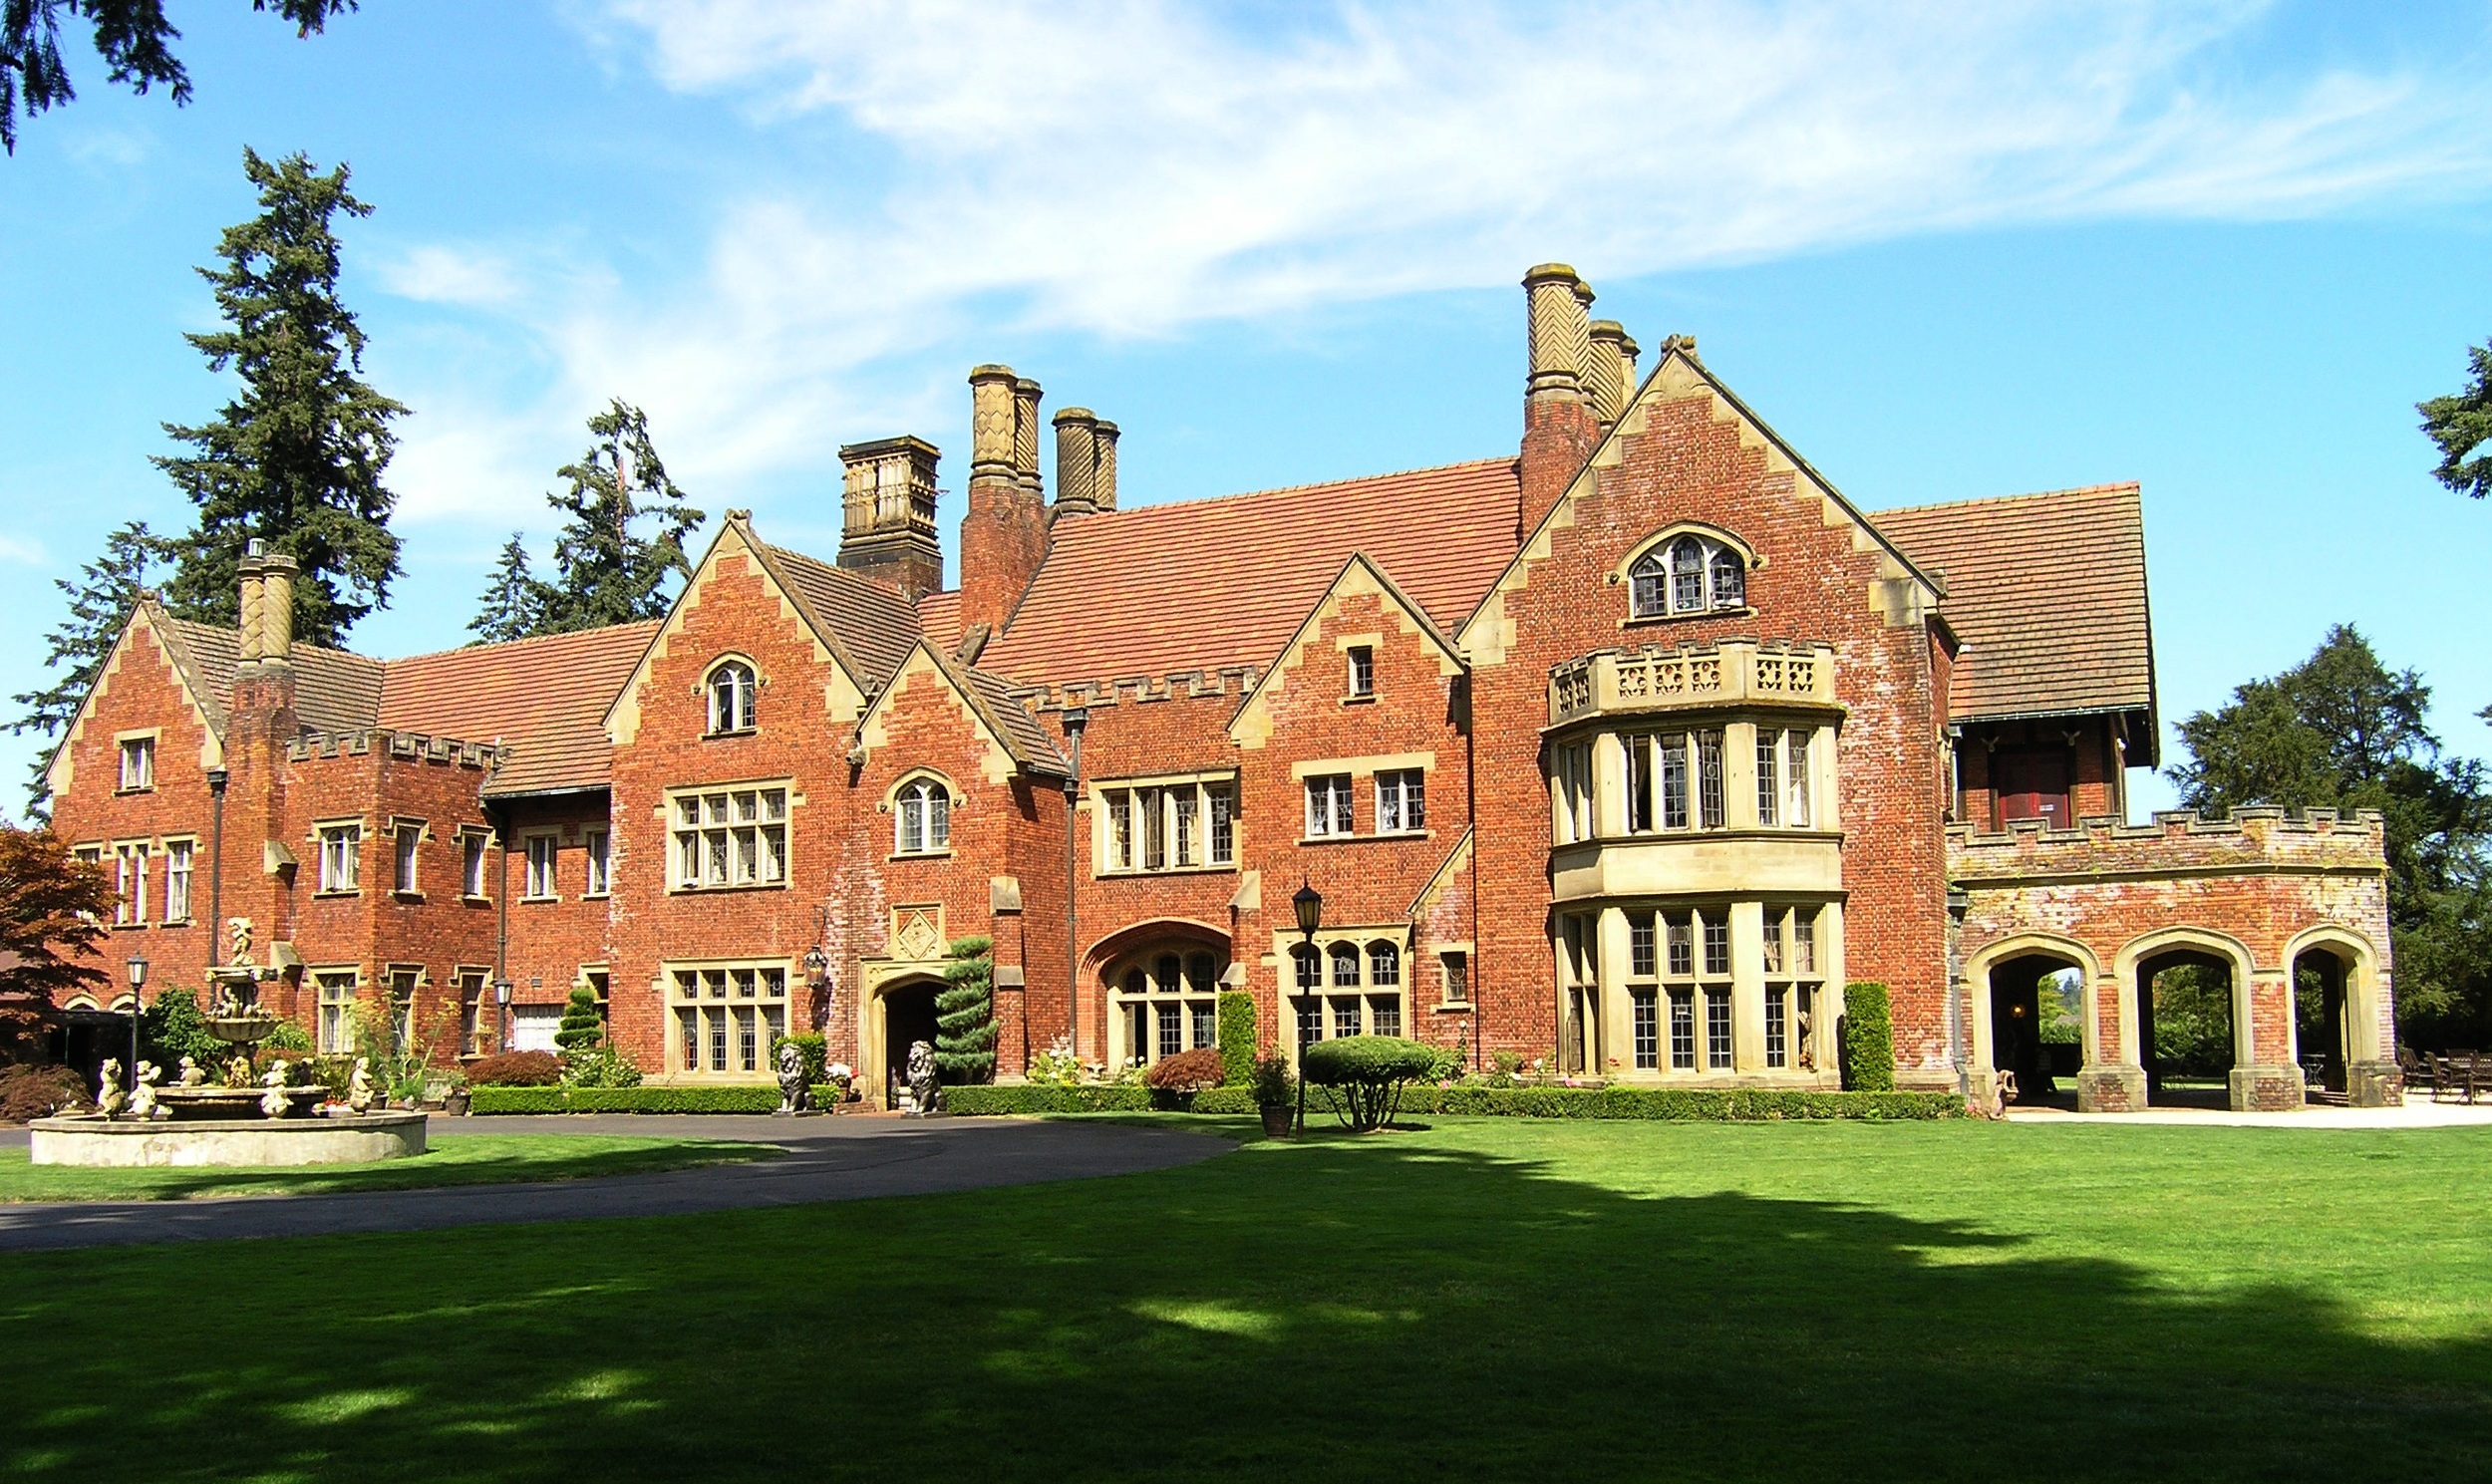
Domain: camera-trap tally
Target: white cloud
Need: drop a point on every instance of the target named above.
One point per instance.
(1125, 168)
(25, 551)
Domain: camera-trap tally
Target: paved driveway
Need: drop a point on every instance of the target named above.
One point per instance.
(828, 1159)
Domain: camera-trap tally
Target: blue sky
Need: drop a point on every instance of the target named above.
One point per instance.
(1950, 251)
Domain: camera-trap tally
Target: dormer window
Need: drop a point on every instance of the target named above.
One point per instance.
(730, 689)
(1688, 575)
(924, 822)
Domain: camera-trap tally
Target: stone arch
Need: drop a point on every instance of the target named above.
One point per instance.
(1153, 976)
(899, 1005)
(2366, 1053)
(1977, 974)
(2184, 942)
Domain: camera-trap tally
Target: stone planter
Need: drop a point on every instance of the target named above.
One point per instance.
(1277, 1119)
(91, 1140)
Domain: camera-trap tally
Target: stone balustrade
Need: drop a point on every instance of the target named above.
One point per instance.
(1734, 672)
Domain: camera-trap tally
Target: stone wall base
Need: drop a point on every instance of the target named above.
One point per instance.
(2375, 1085)
(92, 1140)
(2110, 1087)
(2267, 1089)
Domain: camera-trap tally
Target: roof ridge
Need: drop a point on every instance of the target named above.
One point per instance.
(2107, 487)
(236, 631)
(1199, 502)
(510, 644)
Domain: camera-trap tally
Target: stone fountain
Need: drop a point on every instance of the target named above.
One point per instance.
(246, 1119)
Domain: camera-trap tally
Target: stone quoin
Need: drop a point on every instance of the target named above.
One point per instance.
(1625, 752)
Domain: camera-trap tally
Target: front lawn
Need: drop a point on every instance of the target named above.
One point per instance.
(1479, 1301)
(465, 1159)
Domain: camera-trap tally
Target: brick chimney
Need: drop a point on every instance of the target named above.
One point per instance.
(889, 495)
(1004, 535)
(1077, 462)
(261, 724)
(1559, 426)
(1104, 469)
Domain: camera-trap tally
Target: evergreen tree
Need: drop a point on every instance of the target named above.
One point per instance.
(582, 1028)
(297, 458)
(965, 1013)
(2341, 731)
(513, 605)
(605, 571)
(2460, 425)
(100, 601)
(134, 37)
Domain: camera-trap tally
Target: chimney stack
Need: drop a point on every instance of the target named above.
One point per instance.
(1077, 462)
(888, 495)
(267, 629)
(1612, 371)
(1559, 422)
(1004, 535)
(1104, 470)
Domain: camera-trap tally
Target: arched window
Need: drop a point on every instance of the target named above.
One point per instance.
(1344, 966)
(1689, 575)
(1310, 967)
(1385, 965)
(730, 698)
(924, 818)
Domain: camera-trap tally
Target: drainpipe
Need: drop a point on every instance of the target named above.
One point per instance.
(498, 819)
(1077, 721)
(216, 863)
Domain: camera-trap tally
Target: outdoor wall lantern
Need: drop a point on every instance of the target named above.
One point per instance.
(817, 967)
(1308, 903)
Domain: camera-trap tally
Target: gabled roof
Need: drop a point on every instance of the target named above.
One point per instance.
(1356, 575)
(990, 701)
(543, 699)
(333, 689)
(1208, 583)
(876, 624)
(2047, 593)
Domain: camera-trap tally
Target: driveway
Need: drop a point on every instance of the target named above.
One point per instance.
(828, 1159)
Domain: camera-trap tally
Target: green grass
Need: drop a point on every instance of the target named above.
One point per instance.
(1479, 1299)
(467, 1159)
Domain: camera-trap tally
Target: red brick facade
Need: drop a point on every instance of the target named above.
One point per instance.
(1557, 802)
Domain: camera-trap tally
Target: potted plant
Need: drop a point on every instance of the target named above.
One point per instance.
(1273, 1091)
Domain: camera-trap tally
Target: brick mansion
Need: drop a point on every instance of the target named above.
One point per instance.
(1627, 747)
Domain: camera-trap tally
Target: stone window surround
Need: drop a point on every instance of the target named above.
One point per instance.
(1286, 950)
(132, 860)
(472, 882)
(164, 848)
(1658, 545)
(323, 839)
(544, 886)
(1196, 1004)
(751, 700)
(597, 842)
(1606, 741)
(1205, 782)
(412, 888)
(895, 804)
(147, 739)
(670, 811)
(1359, 770)
(716, 1023)
(1609, 1032)
(333, 1016)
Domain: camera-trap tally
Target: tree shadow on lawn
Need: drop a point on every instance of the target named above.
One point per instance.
(1371, 1309)
(494, 1159)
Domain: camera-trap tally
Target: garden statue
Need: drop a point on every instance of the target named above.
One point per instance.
(238, 936)
(274, 1101)
(142, 1091)
(191, 1075)
(924, 1092)
(238, 1071)
(109, 1097)
(1808, 1042)
(359, 1086)
(793, 1096)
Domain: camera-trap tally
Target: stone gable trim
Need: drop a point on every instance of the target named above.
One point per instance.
(1251, 727)
(1001, 760)
(59, 778)
(1457, 860)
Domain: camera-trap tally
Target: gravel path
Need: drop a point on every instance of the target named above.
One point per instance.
(828, 1159)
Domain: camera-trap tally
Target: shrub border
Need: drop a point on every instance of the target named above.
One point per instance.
(1667, 1104)
(744, 1097)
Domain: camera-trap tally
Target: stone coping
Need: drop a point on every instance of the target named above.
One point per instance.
(125, 1143)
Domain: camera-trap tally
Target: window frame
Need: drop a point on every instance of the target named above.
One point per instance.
(407, 858)
(745, 697)
(131, 861)
(928, 798)
(541, 883)
(140, 745)
(333, 1016)
(184, 849)
(1364, 949)
(1658, 575)
(1339, 817)
(597, 846)
(1408, 792)
(1361, 664)
(772, 836)
(718, 1033)
(339, 850)
(1180, 980)
(475, 848)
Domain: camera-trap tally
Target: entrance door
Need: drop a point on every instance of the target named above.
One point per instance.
(2033, 783)
(908, 1017)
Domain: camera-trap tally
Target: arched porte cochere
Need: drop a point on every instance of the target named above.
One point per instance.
(1160, 984)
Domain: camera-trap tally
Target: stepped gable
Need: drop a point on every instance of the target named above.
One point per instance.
(543, 698)
(2047, 593)
(333, 689)
(1208, 583)
(878, 626)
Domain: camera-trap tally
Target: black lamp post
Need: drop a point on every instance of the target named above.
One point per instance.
(501, 1004)
(1308, 903)
(138, 981)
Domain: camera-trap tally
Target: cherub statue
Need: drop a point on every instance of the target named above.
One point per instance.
(793, 1096)
(238, 1071)
(191, 1075)
(924, 1091)
(238, 939)
(359, 1086)
(110, 1099)
(143, 1091)
(274, 1102)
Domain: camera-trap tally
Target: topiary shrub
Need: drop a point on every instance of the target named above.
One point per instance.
(810, 1046)
(31, 1092)
(1364, 1075)
(965, 1013)
(1273, 1084)
(1237, 1037)
(582, 1028)
(516, 1069)
(1868, 1033)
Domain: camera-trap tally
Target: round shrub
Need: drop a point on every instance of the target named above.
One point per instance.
(1364, 1074)
(1187, 1071)
(30, 1092)
(516, 1069)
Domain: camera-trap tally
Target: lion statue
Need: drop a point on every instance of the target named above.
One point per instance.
(793, 1096)
(925, 1094)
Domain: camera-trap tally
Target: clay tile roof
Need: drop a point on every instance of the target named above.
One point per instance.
(1205, 583)
(544, 699)
(1024, 737)
(333, 689)
(876, 624)
(939, 619)
(2047, 593)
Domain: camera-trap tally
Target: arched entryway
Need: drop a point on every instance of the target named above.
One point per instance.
(2338, 1037)
(2029, 1000)
(1160, 984)
(900, 1014)
(2194, 998)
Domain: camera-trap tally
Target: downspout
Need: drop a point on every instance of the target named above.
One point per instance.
(1077, 721)
(215, 862)
(497, 817)
(1471, 809)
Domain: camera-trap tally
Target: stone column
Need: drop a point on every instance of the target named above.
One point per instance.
(1747, 986)
(2270, 1080)
(2112, 1081)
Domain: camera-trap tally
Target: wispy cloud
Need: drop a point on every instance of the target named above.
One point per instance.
(24, 551)
(1123, 167)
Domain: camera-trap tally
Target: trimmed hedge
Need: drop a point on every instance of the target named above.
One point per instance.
(1868, 1037)
(747, 1097)
(1678, 1104)
(1237, 1037)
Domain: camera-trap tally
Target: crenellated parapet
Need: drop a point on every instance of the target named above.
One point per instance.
(2173, 843)
(1182, 685)
(414, 746)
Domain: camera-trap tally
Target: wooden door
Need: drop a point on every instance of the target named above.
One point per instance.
(2033, 783)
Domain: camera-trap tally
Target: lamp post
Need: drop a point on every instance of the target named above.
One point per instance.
(1308, 904)
(502, 1005)
(137, 981)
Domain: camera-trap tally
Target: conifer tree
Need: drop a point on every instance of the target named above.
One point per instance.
(134, 38)
(100, 601)
(513, 605)
(605, 571)
(965, 1013)
(297, 458)
(582, 1028)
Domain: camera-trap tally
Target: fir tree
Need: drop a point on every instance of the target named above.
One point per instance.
(2460, 425)
(133, 36)
(965, 1013)
(513, 605)
(605, 571)
(296, 459)
(100, 602)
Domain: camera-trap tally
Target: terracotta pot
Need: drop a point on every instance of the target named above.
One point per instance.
(1276, 1120)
